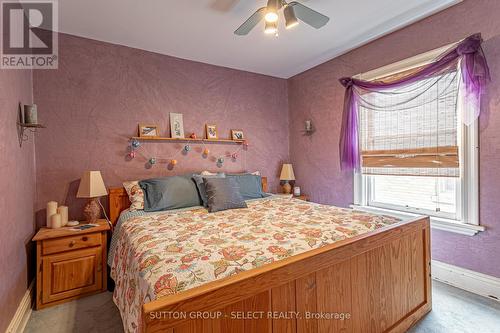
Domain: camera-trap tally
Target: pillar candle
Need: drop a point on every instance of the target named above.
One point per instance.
(30, 114)
(63, 210)
(51, 210)
(55, 221)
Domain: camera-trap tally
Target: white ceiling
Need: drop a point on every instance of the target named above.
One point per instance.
(202, 30)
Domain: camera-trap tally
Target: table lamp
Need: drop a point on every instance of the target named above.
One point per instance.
(287, 175)
(92, 186)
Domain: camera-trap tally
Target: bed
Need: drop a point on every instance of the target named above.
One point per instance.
(281, 265)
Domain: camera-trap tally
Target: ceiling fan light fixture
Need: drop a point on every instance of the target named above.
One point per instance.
(272, 11)
(271, 27)
(271, 17)
(290, 17)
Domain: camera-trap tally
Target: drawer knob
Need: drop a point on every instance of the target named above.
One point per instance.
(72, 243)
(85, 238)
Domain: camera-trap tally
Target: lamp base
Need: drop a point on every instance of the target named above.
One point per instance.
(92, 211)
(287, 188)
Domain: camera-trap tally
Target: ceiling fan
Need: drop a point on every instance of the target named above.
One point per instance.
(293, 12)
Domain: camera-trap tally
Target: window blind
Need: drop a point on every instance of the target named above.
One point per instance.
(412, 130)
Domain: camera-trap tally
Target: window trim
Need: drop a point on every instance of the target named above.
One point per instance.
(469, 203)
(411, 210)
(436, 222)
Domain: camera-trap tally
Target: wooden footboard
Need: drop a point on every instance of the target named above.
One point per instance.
(376, 282)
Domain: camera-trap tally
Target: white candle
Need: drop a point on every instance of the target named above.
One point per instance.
(51, 210)
(63, 210)
(55, 221)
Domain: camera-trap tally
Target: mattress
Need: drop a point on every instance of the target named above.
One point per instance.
(154, 255)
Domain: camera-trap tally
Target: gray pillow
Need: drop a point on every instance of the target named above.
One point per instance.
(222, 194)
(198, 179)
(250, 185)
(169, 193)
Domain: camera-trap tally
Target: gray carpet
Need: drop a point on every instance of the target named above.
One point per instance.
(454, 310)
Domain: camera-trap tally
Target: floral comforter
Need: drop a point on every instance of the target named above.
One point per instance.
(164, 253)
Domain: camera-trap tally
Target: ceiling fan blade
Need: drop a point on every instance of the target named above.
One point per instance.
(252, 21)
(308, 15)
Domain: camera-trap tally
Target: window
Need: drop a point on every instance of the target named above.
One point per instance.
(417, 155)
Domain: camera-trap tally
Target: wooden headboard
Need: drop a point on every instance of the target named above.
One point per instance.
(118, 200)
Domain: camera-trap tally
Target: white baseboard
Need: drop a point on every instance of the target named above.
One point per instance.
(477, 283)
(23, 313)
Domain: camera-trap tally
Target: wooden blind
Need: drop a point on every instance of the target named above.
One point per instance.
(413, 130)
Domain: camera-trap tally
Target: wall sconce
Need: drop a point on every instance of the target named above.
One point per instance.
(308, 128)
(27, 120)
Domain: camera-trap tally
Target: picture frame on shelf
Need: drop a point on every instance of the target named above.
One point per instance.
(211, 131)
(176, 125)
(237, 135)
(148, 131)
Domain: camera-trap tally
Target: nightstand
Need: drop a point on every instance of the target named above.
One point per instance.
(302, 197)
(70, 264)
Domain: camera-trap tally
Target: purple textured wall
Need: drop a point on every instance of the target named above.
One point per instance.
(17, 178)
(317, 95)
(94, 101)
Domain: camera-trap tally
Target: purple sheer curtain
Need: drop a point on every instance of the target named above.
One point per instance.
(474, 75)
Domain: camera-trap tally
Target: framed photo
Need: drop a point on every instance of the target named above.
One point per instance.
(237, 135)
(176, 125)
(148, 130)
(211, 131)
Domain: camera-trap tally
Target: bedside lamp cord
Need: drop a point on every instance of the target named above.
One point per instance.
(105, 215)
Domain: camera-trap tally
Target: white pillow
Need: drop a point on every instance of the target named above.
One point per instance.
(135, 195)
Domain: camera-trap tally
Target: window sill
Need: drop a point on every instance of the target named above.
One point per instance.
(437, 223)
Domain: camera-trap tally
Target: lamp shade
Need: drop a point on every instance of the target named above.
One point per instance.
(91, 185)
(290, 18)
(287, 172)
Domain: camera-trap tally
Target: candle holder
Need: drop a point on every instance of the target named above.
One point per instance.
(22, 125)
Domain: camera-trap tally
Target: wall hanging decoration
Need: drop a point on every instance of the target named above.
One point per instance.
(135, 143)
(176, 125)
(308, 128)
(135, 146)
(211, 131)
(237, 135)
(27, 120)
(148, 131)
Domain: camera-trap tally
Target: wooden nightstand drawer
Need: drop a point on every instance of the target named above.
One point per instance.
(70, 243)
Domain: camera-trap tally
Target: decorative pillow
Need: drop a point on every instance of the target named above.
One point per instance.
(250, 185)
(135, 195)
(169, 193)
(198, 179)
(223, 194)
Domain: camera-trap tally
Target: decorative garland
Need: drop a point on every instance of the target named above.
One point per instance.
(135, 146)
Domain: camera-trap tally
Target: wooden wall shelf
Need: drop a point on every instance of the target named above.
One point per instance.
(159, 138)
